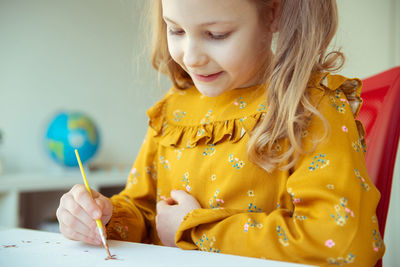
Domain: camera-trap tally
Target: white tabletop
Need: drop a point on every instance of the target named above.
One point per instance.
(22, 247)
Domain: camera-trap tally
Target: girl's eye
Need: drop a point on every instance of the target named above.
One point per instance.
(176, 31)
(218, 36)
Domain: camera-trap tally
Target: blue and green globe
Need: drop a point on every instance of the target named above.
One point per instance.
(68, 131)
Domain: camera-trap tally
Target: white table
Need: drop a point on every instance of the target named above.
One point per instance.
(38, 248)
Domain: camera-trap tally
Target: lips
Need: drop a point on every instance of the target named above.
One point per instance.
(207, 78)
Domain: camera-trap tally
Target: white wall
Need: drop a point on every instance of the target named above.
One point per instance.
(73, 55)
(89, 55)
(369, 32)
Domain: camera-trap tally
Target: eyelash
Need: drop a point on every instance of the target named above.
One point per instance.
(209, 34)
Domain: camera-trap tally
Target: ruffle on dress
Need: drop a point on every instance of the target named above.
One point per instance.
(351, 89)
(184, 136)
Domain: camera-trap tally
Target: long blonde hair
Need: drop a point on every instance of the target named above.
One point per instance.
(305, 29)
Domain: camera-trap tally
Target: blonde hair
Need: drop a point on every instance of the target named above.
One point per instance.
(305, 29)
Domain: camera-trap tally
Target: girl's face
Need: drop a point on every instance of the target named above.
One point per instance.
(221, 44)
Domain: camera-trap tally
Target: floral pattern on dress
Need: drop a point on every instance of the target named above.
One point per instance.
(358, 146)
(342, 260)
(178, 152)
(330, 243)
(207, 118)
(294, 199)
(299, 217)
(210, 150)
(261, 107)
(253, 208)
(283, 239)
(164, 162)
(215, 201)
(250, 193)
(363, 183)
(342, 212)
(213, 177)
(377, 242)
(240, 103)
(178, 115)
(186, 182)
(200, 132)
(207, 244)
(237, 163)
(338, 103)
(251, 223)
(133, 178)
(151, 171)
(242, 119)
(319, 161)
(122, 230)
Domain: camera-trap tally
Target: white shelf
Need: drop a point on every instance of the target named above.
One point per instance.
(34, 182)
(13, 184)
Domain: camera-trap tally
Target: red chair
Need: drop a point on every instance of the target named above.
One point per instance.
(380, 114)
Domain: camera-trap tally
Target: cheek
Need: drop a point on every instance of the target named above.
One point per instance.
(234, 57)
(244, 55)
(175, 50)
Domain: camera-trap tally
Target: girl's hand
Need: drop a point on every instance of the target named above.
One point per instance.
(170, 214)
(77, 213)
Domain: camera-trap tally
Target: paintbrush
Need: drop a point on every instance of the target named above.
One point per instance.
(98, 222)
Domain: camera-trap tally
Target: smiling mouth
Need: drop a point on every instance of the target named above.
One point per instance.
(207, 78)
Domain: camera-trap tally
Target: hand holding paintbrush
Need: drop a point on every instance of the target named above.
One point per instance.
(78, 211)
(98, 221)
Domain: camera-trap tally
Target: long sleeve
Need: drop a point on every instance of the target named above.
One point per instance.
(134, 207)
(331, 220)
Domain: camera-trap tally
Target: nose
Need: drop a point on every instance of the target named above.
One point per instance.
(194, 54)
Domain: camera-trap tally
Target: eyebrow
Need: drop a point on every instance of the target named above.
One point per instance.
(203, 24)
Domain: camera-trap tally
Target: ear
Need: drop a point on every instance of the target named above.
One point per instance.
(275, 13)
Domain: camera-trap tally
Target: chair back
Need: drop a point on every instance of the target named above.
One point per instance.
(380, 114)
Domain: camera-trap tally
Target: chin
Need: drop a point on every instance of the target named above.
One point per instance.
(210, 92)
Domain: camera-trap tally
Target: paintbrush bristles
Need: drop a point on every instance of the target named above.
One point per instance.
(108, 251)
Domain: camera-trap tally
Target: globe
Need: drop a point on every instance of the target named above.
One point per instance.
(68, 131)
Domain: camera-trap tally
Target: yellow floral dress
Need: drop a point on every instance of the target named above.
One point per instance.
(320, 212)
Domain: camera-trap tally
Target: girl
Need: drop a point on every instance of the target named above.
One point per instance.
(253, 152)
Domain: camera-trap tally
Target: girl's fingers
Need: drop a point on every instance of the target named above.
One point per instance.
(180, 196)
(161, 205)
(71, 234)
(77, 211)
(72, 224)
(83, 198)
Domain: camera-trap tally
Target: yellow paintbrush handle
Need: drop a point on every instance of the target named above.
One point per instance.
(98, 222)
(83, 173)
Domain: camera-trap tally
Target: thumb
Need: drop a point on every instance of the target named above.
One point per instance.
(179, 196)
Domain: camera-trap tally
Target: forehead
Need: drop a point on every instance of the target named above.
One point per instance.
(205, 11)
